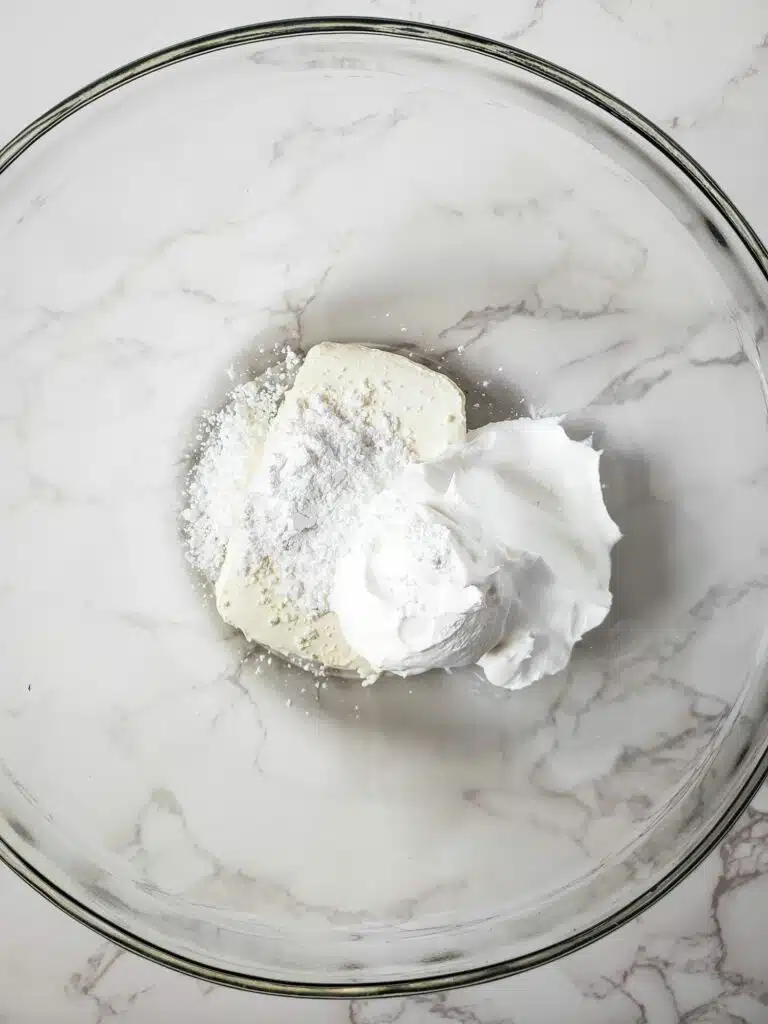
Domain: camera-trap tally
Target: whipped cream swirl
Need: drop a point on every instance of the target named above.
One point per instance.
(497, 554)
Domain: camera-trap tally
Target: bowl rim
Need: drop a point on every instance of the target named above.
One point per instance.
(703, 182)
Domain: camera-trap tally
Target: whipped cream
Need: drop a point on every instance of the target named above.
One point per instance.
(495, 553)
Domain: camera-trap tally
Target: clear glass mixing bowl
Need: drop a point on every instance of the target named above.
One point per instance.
(163, 233)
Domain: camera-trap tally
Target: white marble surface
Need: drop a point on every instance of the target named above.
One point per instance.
(700, 70)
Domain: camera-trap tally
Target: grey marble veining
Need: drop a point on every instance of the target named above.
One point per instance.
(699, 955)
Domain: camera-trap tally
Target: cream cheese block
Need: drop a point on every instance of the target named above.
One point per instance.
(427, 411)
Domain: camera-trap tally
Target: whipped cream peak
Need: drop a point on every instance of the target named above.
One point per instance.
(495, 553)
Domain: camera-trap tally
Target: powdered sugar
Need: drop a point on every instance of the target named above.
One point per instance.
(230, 447)
(296, 491)
(329, 457)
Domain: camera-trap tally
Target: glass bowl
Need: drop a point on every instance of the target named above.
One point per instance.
(164, 232)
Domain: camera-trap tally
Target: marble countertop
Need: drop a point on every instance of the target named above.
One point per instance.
(699, 70)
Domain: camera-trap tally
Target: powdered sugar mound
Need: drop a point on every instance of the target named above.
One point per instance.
(324, 464)
(229, 453)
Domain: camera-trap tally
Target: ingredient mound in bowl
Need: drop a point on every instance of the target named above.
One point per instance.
(347, 518)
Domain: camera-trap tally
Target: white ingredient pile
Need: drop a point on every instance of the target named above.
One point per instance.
(229, 450)
(495, 552)
(317, 474)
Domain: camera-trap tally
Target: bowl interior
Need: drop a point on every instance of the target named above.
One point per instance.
(165, 242)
